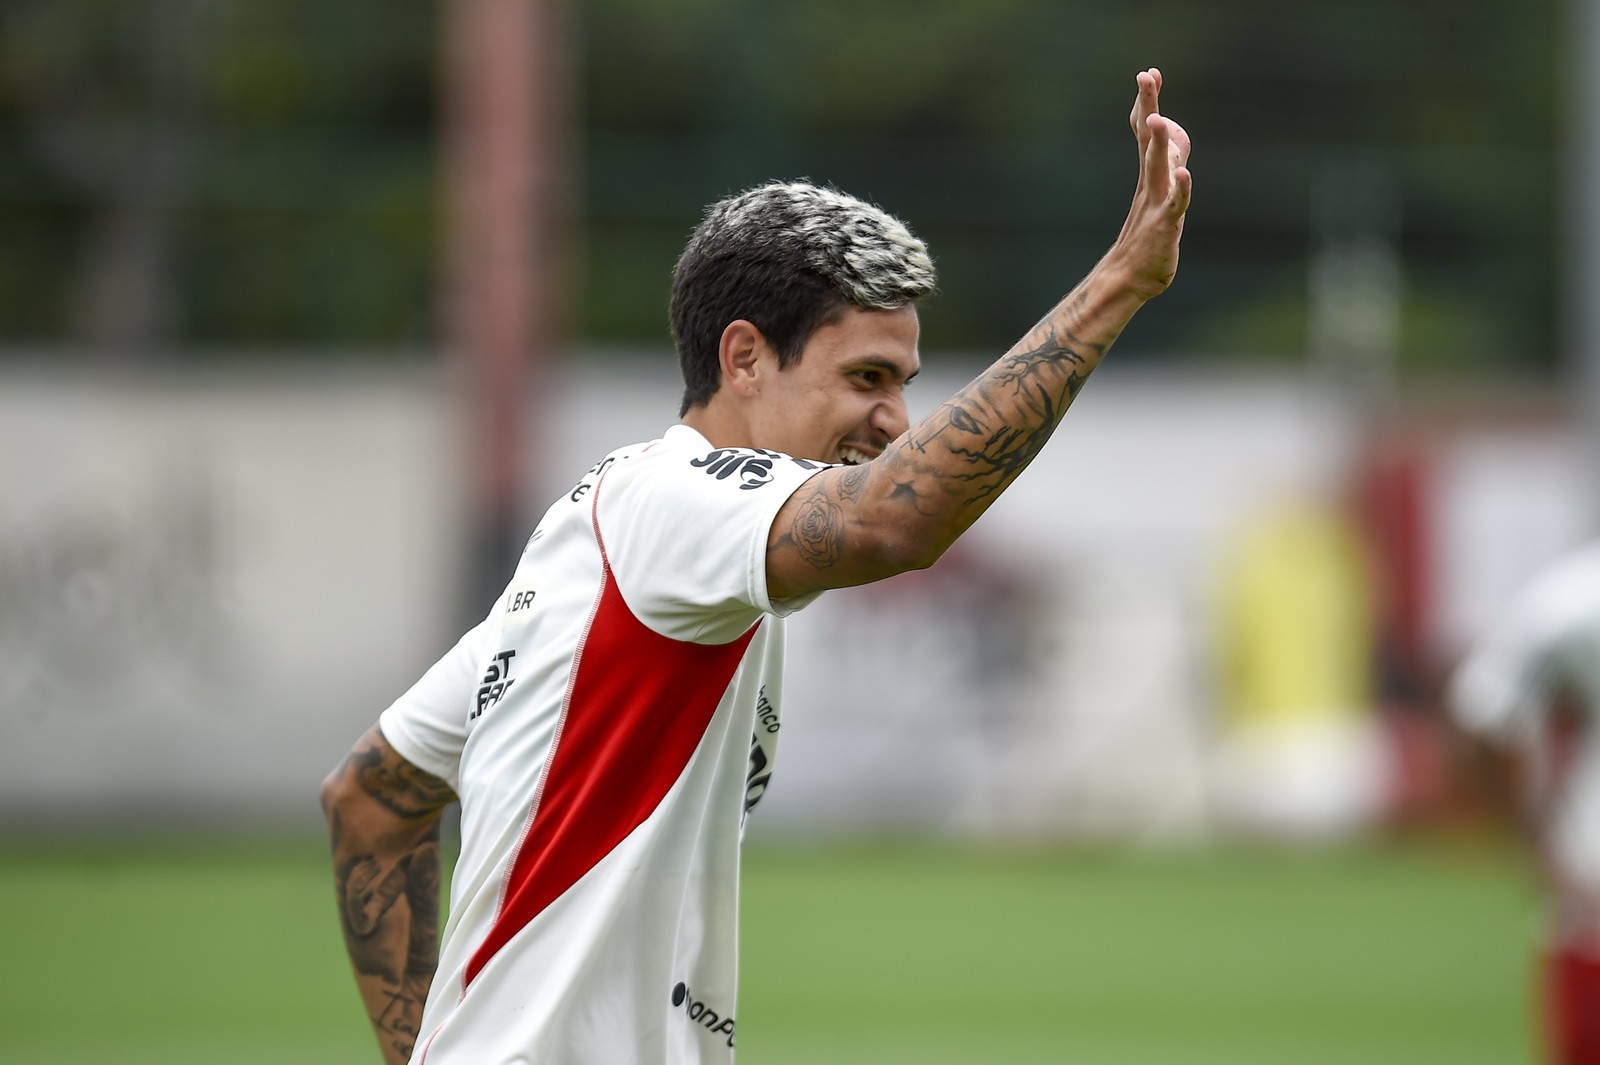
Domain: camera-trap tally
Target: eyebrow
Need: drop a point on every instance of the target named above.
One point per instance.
(888, 367)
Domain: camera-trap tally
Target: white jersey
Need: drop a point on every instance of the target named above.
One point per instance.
(607, 728)
(1546, 643)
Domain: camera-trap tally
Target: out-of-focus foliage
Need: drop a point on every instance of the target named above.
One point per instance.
(998, 130)
(207, 173)
(211, 174)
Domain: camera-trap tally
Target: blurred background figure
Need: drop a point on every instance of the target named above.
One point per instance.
(1531, 689)
(1300, 753)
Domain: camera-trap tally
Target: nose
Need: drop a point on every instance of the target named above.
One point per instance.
(890, 418)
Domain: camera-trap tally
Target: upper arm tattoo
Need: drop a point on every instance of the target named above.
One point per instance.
(396, 783)
(851, 483)
(818, 528)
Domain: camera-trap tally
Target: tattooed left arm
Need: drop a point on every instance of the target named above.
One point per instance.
(383, 817)
(902, 510)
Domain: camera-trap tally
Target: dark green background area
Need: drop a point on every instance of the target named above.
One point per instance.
(288, 152)
(186, 952)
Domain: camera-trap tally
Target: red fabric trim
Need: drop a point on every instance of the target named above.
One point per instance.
(1572, 1006)
(637, 707)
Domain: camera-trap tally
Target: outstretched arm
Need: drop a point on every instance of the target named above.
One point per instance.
(852, 525)
(383, 816)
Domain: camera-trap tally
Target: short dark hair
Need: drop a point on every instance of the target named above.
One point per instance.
(789, 257)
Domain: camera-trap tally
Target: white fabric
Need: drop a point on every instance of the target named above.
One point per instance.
(1546, 642)
(637, 960)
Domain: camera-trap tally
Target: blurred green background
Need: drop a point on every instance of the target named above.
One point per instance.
(268, 175)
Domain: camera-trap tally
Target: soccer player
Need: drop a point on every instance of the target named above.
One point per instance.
(1532, 688)
(612, 721)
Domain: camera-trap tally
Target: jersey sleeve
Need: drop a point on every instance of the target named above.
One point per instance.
(685, 533)
(427, 725)
(1497, 686)
(1507, 679)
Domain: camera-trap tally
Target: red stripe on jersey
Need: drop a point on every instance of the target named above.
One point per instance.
(638, 706)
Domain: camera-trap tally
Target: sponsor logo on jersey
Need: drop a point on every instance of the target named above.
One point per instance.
(519, 604)
(591, 478)
(752, 466)
(758, 776)
(497, 680)
(700, 1013)
(766, 713)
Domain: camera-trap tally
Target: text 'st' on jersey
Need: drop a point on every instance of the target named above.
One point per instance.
(607, 727)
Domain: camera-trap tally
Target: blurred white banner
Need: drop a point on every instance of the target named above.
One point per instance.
(210, 586)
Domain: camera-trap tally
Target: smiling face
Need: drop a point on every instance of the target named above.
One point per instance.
(842, 400)
(774, 264)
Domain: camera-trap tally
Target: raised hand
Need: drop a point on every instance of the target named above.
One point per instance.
(904, 508)
(1147, 247)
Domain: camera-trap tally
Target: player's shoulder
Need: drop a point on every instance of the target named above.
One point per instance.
(1582, 563)
(1569, 582)
(592, 477)
(683, 453)
(1557, 603)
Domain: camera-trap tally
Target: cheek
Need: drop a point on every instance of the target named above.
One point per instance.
(823, 408)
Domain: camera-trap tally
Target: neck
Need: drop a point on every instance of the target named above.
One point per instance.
(719, 426)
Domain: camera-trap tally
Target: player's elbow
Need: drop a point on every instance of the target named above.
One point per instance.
(899, 548)
(336, 790)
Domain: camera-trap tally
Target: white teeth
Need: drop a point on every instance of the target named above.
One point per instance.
(852, 457)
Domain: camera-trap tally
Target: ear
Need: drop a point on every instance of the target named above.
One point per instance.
(739, 356)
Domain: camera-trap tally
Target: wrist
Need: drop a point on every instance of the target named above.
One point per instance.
(1127, 279)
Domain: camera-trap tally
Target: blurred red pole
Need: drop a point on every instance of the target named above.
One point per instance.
(505, 192)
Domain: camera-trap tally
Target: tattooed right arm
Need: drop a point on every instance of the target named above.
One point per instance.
(383, 817)
(851, 525)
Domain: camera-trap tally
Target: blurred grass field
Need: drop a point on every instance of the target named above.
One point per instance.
(183, 953)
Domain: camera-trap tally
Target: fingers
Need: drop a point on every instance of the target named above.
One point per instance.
(1156, 162)
(1182, 190)
(1164, 146)
(1178, 141)
(1173, 137)
(1146, 103)
(1164, 163)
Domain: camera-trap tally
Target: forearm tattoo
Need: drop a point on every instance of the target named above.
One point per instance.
(391, 930)
(950, 466)
(389, 892)
(998, 424)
